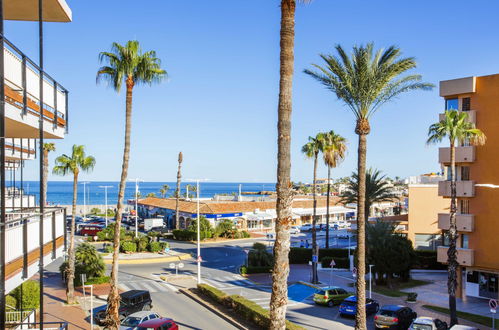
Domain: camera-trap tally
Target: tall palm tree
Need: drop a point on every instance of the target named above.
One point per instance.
(164, 190)
(378, 190)
(177, 190)
(47, 147)
(311, 149)
(365, 81)
(333, 153)
(125, 63)
(74, 164)
(279, 296)
(458, 129)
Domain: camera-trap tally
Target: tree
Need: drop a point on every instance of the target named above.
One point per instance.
(125, 63)
(47, 147)
(188, 189)
(64, 165)
(151, 194)
(334, 150)
(164, 190)
(378, 190)
(94, 210)
(177, 190)
(365, 81)
(458, 129)
(311, 149)
(279, 296)
(205, 228)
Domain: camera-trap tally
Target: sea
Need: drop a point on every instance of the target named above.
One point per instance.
(61, 192)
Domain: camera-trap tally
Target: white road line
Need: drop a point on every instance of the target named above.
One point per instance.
(133, 286)
(255, 299)
(229, 278)
(148, 285)
(171, 287)
(124, 287)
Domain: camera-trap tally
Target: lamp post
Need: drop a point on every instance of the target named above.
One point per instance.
(105, 199)
(199, 227)
(84, 200)
(370, 281)
(136, 206)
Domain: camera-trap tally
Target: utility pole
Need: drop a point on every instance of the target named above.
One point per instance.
(199, 228)
(105, 199)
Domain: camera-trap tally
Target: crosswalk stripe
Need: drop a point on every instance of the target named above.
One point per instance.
(214, 283)
(133, 286)
(124, 287)
(149, 286)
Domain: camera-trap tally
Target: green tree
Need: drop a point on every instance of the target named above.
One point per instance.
(29, 294)
(378, 190)
(259, 257)
(333, 153)
(457, 128)
(125, 64)
(94, 210)
(225, 228)
(190, 190)
(164, 190)
(47, 148)
(311, 149)
(365, 81)
(205, 228)
(64, 165)
(151, 194)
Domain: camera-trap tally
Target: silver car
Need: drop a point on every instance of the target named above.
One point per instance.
(427, 323)
(133, 320)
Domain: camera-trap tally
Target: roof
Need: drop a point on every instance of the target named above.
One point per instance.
(27, 10)
(132, 293)
(392, 307)
(216, 207)
(424, 320)
(155, 322)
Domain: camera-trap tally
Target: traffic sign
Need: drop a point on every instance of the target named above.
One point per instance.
(246, 251)
(354, 272)
(492, 310)
(315, 258)
(332, 264)
(199, 259)
(172, 265)
(180, 265)
(493, 305)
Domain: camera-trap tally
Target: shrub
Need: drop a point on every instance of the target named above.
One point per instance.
(89, 260)
(98, 280)
(128, 246)
(225, 228)
(213, 293)
(184, 235)
(206, 230)
(154, 247)
(109, 248)
(10, 303)
(94, 210)
(142, 243)
(339, 262)
(30, 295)
(244, 234)
(259, 257)
(256, 269)
(412, 296)
(107, 234)
(154, 233)
(426, 259)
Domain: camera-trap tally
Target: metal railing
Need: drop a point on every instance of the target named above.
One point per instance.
(20, 316)
(41, 326)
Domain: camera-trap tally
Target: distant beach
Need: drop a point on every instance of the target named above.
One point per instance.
(61, 192)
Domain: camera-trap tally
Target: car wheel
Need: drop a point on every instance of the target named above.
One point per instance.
(330, 303)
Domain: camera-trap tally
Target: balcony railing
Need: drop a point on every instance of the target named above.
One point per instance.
(18, 146)
(465, 257)
(463, 155)
(471, 116)
(464, 222)
(22, 88)
(463, 189)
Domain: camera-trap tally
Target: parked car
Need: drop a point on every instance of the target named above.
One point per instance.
(306, 227)
(349, 306)
(394, 317)
(294, 230)
(330, 296)
(158, 324)
(462, 327)
(133, 320)
(131, 301)
(428, 323)
(91, 229)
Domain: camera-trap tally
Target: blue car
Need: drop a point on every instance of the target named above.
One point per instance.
(349, 306)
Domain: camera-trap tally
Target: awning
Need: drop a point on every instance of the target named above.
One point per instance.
(27, 10)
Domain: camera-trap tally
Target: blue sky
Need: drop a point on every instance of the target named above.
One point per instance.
(219, 105)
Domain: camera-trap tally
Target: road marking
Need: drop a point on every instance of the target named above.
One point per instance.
(124, 287)
(149, 287)
(171, 287)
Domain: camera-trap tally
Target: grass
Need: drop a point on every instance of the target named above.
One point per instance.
(396, 290)
(480, 319)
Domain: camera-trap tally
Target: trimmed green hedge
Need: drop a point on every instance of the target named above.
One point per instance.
(243, 307)
(340, 262)
(303, 255)
(128, 246)
(255, 269)
(427, 259)
(184, 235)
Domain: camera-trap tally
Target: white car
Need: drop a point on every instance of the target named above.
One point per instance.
(427, 323)
(294, 230)
(133, 320)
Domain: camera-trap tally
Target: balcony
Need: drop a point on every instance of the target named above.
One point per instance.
(463, 155)
(465, 257)
(457, 86)
(471, 116)
(17, 149)
(22, 103)
(465, 222)
(463, 189)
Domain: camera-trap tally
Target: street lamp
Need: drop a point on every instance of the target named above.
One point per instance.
(136, 206)
(84, 200)
(105, 198)
(370, 281)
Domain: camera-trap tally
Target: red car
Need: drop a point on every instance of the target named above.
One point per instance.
(91, 229)
(158, 324)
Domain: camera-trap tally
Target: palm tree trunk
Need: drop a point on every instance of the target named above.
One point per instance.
(451, 253)
(71, 252)
(279, 297)
(315, 248)
(45, 173)
(360, 317)
(327, 205)
(113, 300)
(179, 176)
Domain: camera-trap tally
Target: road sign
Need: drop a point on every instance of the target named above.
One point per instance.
(83, 278)
(199, 259)
(172, 265)
(332, 264)
(315, 258)
(354, 272)
(493, 305)
(493, 310)
(246, 251)
(180, 265)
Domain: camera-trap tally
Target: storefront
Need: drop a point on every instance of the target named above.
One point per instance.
(482, 284)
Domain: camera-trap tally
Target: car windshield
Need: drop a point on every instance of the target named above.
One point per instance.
(418, 326)
(131, 321)
(321, 292)
(385, 312)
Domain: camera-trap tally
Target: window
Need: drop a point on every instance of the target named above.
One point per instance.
(464, 206)
(466, 104)
(341, 291)
(451, 104)
(464, 241)
(465, 173)
(426, 242)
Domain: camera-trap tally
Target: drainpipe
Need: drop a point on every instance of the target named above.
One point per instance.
(40, 145)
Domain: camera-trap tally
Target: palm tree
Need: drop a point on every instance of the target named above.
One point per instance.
(177, 190)
(333, 153)
(311, 149)
(151, 194)
(47, 147)
(279, 296)
(189, 188)
(458, 129)
(378, 190)
(365, 81)
(64, 165)
(125, 63)
(164, 190)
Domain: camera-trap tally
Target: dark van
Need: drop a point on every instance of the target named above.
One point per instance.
(131, 301)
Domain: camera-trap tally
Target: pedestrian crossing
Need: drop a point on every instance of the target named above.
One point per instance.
(228, 282)
(149, 285)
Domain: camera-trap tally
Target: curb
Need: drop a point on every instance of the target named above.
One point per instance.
(184, 256)
(309, 284)
(212, 309)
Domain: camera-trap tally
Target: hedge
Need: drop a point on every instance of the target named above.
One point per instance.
(255, 269)
(339, 262)
(427, 259)
(184, 235)
(128, 246)
(157, 246)
(303, 255)
(213, 293)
